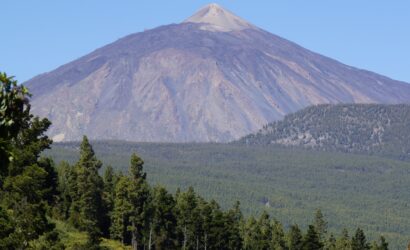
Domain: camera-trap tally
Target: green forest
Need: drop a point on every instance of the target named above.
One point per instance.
(290, 184)
(78, 204)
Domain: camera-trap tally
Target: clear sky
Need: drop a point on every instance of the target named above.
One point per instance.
(38, 36)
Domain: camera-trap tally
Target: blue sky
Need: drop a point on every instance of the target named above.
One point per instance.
(38, 36)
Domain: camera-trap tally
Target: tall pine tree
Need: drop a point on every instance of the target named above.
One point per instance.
(295, 238)
(87, 207)
(320, 225)
(140, 198)
(359, 241)
(311, 240)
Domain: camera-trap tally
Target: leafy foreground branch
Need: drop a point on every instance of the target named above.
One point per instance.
(36, 199)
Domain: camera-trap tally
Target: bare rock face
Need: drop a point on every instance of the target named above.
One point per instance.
(214, 77)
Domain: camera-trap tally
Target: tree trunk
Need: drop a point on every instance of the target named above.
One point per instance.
(134, 241)
(206, 239)
(150, 238)
(185, 238)
(197, 243)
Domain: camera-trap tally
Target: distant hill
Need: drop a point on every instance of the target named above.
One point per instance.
(213, 77)
(363, 128)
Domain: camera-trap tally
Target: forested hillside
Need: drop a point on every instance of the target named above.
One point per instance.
(363, 128)
(288, 183)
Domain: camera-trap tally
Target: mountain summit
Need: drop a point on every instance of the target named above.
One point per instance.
(214, 77)
(215, 18)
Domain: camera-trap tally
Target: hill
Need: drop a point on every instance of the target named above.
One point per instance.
(290, 183)
(213, 77)
(359, 128)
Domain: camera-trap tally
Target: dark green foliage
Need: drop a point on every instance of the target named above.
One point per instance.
(122, 210)
(331, 243)
(289, 183)
(295, 238)
(186, 204)
(320, 224)
(48, 241)
(250, 234)
(6, 230)
(139, 197)
(162, 234)
(278, 236)
(343, 242)
(234, 219)
(130, 217)
(265, 231)
(108, 197)
(356, 128)
(63, 205)
(86, 191)
(154, 219)
(136, 167)
(381, 245)
(311, 240)
(28, 184)
(14, 115)
(359, 241)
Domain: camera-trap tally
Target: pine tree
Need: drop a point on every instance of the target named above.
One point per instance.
(205, 221)
(162, 233)
(264, 231)
(110, 179)
(218, 234)
(382, 246)
(137, 168)
(359, 241)
(343, 243)
(278, 236)
(140, 198)
(186, 217)
(122, 211)
(294, 238)
(311, 240)
(87, 207)
(108, 198)
(234, 220)
(331, 243)
(320, 225)
(64, 199)
(250, 234)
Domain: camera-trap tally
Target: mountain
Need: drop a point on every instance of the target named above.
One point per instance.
(362, 128)
(213, 77)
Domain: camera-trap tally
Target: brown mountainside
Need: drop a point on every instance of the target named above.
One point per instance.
(214, 77)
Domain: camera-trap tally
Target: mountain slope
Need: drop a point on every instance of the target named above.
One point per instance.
(362, 128)
(214, 77)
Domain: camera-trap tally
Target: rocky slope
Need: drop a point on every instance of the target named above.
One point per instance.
(214, 77)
